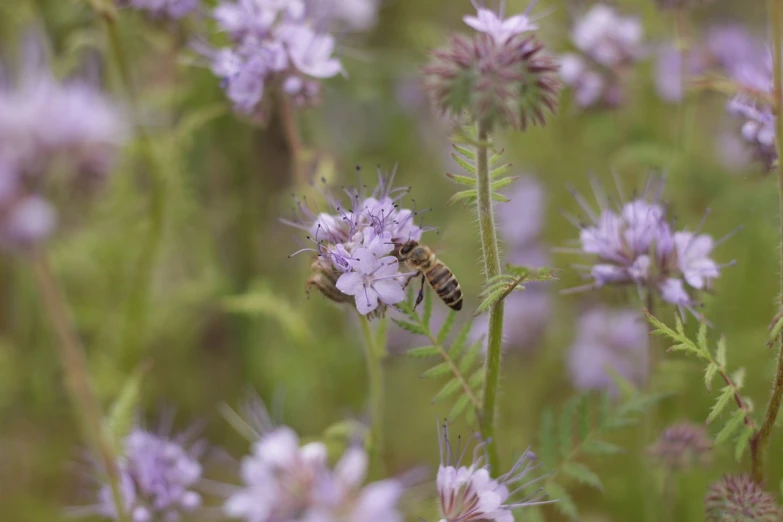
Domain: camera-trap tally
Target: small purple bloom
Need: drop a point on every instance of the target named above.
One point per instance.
(158, 476)
(373, 281)
(637, 246)
(311, 52)
(174, 9)
(615, 339)
(487, 21)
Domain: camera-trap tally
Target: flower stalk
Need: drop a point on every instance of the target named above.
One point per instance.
(374, 353)
(77, 379)
(761, 438)
(489, 246)
(287, 113)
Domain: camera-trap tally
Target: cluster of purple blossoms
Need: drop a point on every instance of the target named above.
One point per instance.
(355, 246)
(609, 339)
(635, 244)
(275, 44)
(82, 140)
(739, 497)
(470, 493)
(158, 475)
(173, 9)
(728, 50)
(682, 445)
(607, 44)
(284, 480)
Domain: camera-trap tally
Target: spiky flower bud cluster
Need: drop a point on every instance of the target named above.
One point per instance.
(496, 76)
(682, 445)
(737, 498)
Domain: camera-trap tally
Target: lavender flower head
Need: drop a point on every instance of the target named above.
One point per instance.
(469, 493)
(355, 245)
(284, 480)
(635, 244)
(158, 476)
(275, 44)
(174, 9)
(607, 44)
(500, 75)
(682, 445)
(605, 339)
(738, 498)
(84, 137)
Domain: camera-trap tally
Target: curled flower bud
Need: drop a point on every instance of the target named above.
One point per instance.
(737, 498)
(495, 76)
(682, 445)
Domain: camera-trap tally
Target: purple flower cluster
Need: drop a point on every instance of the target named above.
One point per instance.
(174, 9)
(636, 244)
(470, 493)
(275, 44)
(606, 44)
(284, 480)
(355, 245)
(158, 476)
(84, 137)
(605, 339)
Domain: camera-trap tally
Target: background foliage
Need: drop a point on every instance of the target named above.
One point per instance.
(228, 311)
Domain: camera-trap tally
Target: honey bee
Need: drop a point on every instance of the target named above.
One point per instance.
(421, 259)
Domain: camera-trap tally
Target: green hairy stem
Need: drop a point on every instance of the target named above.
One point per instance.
(761, 439)
(489, 246)
(374, 352)
(77, 379)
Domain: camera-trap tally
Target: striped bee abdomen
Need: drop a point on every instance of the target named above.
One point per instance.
(443, 282)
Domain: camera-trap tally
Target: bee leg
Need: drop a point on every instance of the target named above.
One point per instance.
(420, 297)
(408, 281)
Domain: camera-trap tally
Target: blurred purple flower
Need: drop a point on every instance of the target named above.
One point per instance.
(174, 9)
(286, 481)
(607, 44)
(275, 42)
(740, 498)
(158, 477)
(638, 246)
(354, 241)
(85, 136)
(353, 15)
(605, 339)
(487, 21)
(469, 493)
(520, 221)
(669, 69)
(732, 47)
(682, 445)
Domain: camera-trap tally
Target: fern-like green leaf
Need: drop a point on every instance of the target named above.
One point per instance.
(449, 389)
(445, 330)
(726, 394)
(462, 180)
(583, 417)
(465, 164)
(465, 151)
(459, 407)
(720, 356)
(503, 182)
(743, 441)
(709, 375)
(582, 474)
(546, 438)
(731, 427)
(471, 354)
(424, 351)
(738, 377)
(437, 371)
(702, 337)
(119, 421)
(459, 343)
(499, 171)
(565, 503)
(500, 197)
(411, 327)
(465, 196)
(566, 425)
(427, 315)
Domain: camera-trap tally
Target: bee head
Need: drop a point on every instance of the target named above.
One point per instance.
(407, 247)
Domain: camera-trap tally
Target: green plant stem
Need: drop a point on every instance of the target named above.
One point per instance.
(761, 438)
(374, 352)
(287, 114)
(77, 379)
(489, 246)
(141, 277)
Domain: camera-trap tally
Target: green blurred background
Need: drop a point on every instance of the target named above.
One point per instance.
(227, 184)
